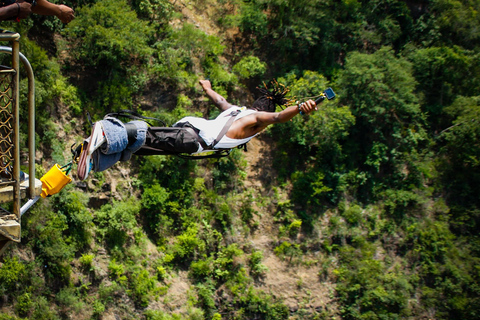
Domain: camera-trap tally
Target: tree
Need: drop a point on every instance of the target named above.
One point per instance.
(389, 128)
(442, 74)
(110, 46)
(461, 163)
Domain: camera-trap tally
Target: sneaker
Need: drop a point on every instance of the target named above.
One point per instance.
(83, 167)
(85, 162)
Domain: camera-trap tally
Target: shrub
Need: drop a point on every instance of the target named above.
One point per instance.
(255, 263)
(4, 316)
(108, 34)
(201, 269)
(287, 249)
(43, 310)
(249, 67)
(11, 274)
(226, 264)
(24, 304)
(142, 286)
(353, 214)
(86, 261)
(117, 220)
(187, 49)
(98, 308)
(68, 298)
(73, 204)
(206, 298)
(188, 244)
(68, 95)
(55, 250)
(117, 271)
(154, 203)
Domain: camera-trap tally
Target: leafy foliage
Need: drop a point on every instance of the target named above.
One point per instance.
(376, 192)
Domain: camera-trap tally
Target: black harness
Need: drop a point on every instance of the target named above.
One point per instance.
(180, 140)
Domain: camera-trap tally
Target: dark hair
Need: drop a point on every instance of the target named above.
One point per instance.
(271, 98)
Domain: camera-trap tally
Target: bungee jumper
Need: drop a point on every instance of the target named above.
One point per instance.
(112, 140)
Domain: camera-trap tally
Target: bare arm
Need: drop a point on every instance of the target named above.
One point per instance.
(217, 99)
(265, 119)
(21, 10)
(62, 12)
(258, 121)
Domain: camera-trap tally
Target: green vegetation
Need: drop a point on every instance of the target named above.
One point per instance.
(376, 194)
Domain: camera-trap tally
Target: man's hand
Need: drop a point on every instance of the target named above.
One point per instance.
(205, 84)
(217, 99)
(66, 14)
(25, 9)
(308, 106)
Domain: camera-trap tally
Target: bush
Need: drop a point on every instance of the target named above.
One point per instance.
(116, 221)
(353, 215)
(109, 39)
(98, 308)
(369, 288)
(116, 270)
(206, 298)
(257, 269)
(201, 269)
(188, 244)
(43, 310)
(287, 249)
(108, 34)
(226, 265)
(24, 304)
(11, 274)
(72, 204)
(142, 286)
(184, 51)
(68, 298)
(54, 248)
(249, 67)
(252, 304)
(86, 261)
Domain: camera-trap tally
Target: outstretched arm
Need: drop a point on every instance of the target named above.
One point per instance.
(258, 121)
(21, 9)
(265, 119)
(217, 99)
(62, 12)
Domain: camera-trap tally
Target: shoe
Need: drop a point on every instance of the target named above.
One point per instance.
(84, 166)
(97, 138)
(85, 162)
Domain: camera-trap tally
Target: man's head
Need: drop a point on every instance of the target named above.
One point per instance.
(271, 98)
(264, 104)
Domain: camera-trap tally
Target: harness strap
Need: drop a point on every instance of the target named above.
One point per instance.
(224, 131)
(131, 132)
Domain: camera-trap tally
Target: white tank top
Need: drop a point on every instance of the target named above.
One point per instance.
(210, 129)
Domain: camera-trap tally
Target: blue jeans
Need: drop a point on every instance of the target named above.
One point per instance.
(117, 147)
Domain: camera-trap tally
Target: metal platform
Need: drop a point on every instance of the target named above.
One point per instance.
(9, 222)
(6, 193)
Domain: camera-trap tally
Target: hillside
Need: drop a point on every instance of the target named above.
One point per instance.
(366, 209)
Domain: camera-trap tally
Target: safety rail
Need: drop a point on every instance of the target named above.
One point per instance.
(12, 188)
